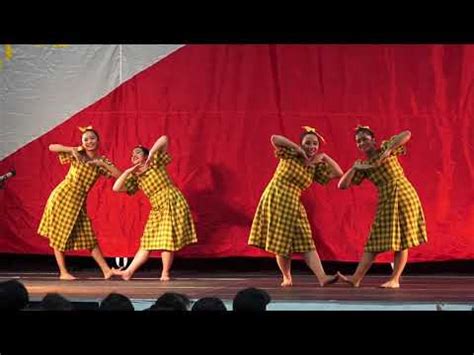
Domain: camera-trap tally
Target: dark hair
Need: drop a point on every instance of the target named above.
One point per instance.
(13, 295)
(364, 129)
(93, 131)
(155, 308)
(172, 301)
(209, 304)
(145, 150)
(251, 299)
(116, 302)
(305, 133)
(56, 302)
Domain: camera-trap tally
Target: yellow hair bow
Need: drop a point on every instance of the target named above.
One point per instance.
(309, 129)
(84, 129)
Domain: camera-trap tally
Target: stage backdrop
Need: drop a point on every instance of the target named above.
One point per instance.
(219, 105)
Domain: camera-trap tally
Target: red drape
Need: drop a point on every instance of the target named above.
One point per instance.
(219, 105)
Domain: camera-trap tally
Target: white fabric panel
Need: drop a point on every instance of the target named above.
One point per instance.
(42, 86)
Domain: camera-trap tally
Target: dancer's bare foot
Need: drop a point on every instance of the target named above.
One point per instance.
(117, 272)
(286, 282)
(390, 284)
(165, 277)
(329, 280)
(111, 272)
(66, 276)
(125, 274)
(347, 279)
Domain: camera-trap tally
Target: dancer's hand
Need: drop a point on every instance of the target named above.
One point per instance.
(78, 156)
(315, 159)
(148, 162)
(133, 168)
(319, 158)
(301, 152)
(96, 162)
(384, 156)
(360, 165)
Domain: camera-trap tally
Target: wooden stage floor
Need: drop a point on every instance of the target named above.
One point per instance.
(424, 292)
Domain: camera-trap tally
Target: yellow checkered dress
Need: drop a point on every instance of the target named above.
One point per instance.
(281, 225)
(65, 222)
(170, 224)
(399, 221)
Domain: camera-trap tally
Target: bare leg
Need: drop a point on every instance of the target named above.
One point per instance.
(139, 259)
(314, 262)
(98, 257)
(167, 260)
(362, 268)
(63, 272)
(400, 260)
(284, 264)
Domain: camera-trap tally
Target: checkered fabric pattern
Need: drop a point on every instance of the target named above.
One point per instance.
(170, 224)
(399, 221)
(281, 225)
(65, 222)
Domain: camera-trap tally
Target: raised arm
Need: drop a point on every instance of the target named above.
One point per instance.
(283, 142)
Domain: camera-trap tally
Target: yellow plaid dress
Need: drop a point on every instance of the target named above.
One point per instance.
(399, 221)
(280, 225)
(65, 222)
(170, 224)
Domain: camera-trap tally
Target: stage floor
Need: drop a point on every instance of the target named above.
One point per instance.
(424, 292)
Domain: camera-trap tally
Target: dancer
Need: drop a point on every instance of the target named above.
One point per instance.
(170, 225)
(399, 221)
(280, 225)
(65, 222)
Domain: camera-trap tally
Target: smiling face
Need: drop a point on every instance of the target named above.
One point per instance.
(365, 142)
(310, 144)
(138, 156)
(90, 141)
